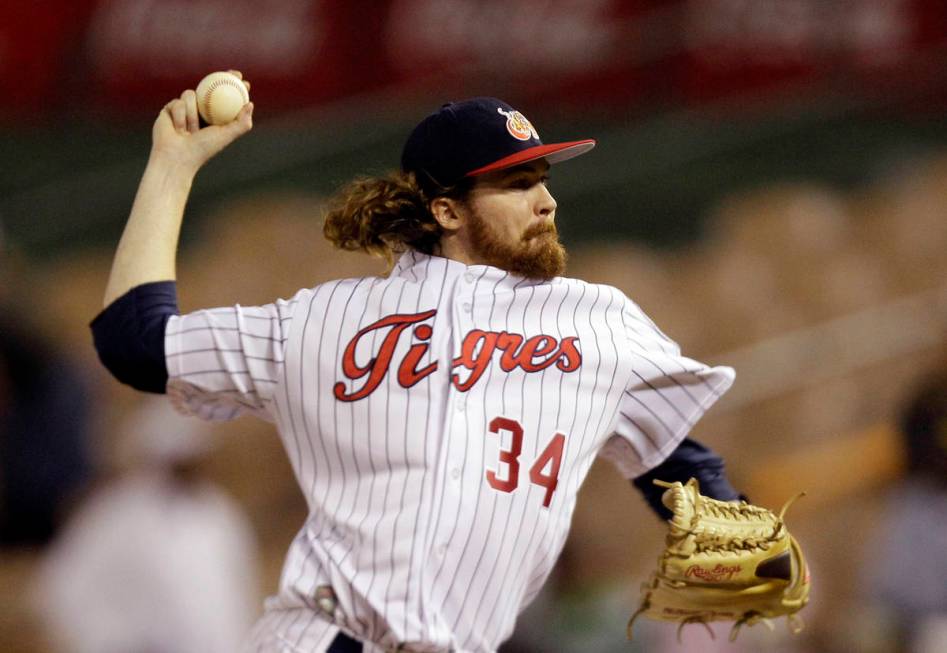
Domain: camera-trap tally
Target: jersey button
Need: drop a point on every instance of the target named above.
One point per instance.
(466, 307)
(441, 550)
(469, 278)
(455, 473)
(461, 403)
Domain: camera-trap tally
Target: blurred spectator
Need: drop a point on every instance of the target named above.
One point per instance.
(157, 561)
(44, 456)
(905, 575)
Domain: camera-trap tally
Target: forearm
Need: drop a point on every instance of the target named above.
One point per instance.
(148, 247)
(179, 147)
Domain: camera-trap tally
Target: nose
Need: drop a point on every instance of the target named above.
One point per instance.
(545, 203)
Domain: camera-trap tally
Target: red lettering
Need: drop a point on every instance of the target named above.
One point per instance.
(510, 344)
(476, 353)
(713, 575)
(474, 359)
(551, 457)
(408, 374)
(537, 347)
(377, 367)
(569, 358)
(509, 456)
(535, 354)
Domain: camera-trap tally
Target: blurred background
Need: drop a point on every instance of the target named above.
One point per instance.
(770, 185)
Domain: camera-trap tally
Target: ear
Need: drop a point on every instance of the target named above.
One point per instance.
(448, 213)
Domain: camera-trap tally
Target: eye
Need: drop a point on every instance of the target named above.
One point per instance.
(526, 182)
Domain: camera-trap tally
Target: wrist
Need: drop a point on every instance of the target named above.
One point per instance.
(172, 168)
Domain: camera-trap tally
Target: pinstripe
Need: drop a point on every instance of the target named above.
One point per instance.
(538, 536)
(424, 472)
(574, 480)
(221, 370)
(440, 443)
(362, 620)
(358, 479)
(371, 620)
(298, 460)
(647, 333)
(387, 448)
(631, 384)
(405, 442)
(444, 479)
(642, 430)
(202, 350)
(483, 445)
(611, 385)
(246, 313)
(226, 309)
(506, 575)
(404, 486)
(223, 328)
(670, 348)
(319, 420)
(305, 422)
(670, 404)
(673, 377)
(476, 574)
(540, 430)
(509, 513)
(237, 394)
(570, 445)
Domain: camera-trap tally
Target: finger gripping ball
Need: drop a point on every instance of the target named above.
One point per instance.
(220, 96)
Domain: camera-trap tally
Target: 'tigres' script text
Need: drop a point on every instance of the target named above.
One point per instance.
(477, 350)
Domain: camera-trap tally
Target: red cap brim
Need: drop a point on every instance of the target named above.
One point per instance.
(553, 153)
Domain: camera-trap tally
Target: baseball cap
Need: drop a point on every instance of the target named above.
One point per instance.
(475, 136)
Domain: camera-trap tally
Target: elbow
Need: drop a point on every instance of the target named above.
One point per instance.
(130, 363)
(129, 336)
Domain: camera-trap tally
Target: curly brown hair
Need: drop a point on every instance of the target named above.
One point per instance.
(384, 216)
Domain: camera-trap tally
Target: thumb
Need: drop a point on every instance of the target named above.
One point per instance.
(239, 125)
(243, 122)
(217, 137)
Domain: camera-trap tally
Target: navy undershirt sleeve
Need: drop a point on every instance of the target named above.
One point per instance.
(690, 459)
(129, 335)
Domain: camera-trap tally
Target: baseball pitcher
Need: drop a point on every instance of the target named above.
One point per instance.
(440, 419)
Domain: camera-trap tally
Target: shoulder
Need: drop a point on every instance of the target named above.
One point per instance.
(337, 288)
(623, 310)
(610, 294)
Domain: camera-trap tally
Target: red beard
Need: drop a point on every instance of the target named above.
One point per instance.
(537, 255)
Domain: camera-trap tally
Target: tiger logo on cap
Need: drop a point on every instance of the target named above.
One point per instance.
(519, 127)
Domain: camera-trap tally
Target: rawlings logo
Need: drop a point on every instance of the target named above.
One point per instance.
(715, 575)
(477, 350)
(519, 127)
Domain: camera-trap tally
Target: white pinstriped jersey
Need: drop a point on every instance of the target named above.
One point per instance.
(439, 422)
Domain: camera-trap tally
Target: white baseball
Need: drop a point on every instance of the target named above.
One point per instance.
(220, 96)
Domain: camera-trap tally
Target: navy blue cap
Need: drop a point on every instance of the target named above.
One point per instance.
(483, 134)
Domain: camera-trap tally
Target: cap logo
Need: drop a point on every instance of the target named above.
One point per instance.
(519, 127)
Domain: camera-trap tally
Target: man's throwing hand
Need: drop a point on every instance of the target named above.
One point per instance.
(178, 136)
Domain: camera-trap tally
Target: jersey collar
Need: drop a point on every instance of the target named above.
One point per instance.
(416, 265)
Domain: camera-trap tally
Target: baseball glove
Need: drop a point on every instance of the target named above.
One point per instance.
(724, 561)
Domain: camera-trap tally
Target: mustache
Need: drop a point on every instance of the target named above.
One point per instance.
(540, 229)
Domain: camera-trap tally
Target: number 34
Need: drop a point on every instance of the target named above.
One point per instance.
(550, 457)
